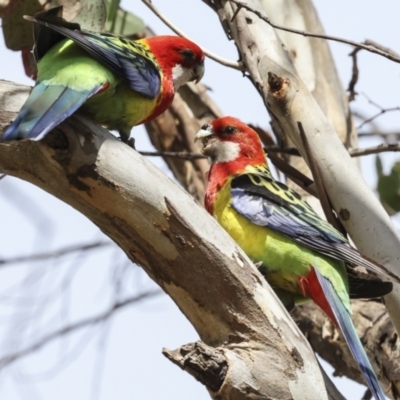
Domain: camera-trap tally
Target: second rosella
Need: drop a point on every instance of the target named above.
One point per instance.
(302, 255)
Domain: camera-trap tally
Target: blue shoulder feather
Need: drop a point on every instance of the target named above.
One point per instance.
(266, 202)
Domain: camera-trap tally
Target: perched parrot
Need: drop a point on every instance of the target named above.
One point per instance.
(302, 255)
(117, 82)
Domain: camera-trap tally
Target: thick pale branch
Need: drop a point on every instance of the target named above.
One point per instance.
(178, 244)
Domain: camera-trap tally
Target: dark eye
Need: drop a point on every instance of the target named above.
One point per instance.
(229, 130)
(205, 127)
(188, 54)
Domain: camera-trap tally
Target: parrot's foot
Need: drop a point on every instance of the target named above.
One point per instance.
(124, 136)
(131, 143)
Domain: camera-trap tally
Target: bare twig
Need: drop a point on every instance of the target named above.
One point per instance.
(370, 42)
(185, 155)
(227, 63)
(384, 135)
(382, 111)
(236, 13)
(56, 253)
(382, 148)
(10, 358)
(369, 47)
(177, 154)
(354, 76)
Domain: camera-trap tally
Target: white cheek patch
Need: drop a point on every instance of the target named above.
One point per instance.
(181, 75)
(225, 152)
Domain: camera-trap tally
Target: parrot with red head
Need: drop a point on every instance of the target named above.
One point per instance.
(301, 255)
(117, 82)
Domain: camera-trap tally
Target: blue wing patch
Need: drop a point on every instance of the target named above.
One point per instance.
(269, 203)
(262, 212)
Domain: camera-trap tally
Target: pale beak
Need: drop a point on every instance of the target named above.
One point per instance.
(204, 132)
(198, 72)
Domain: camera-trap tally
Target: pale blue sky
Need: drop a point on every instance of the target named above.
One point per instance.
(37, 298)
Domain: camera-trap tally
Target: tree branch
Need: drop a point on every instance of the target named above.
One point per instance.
(377, 115)
(368, 46)
(178, 244)
(382, 148)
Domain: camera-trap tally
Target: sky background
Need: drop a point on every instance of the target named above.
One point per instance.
(121, 359)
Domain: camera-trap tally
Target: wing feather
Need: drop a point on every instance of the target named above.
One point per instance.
(266, 202)
(130, 61)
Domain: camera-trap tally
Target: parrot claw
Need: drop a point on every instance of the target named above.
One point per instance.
(131, 143)
(124, 137)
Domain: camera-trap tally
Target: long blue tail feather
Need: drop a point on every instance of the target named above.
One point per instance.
(46, 107)
(349, 332)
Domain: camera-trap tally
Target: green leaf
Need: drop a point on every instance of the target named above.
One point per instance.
(389, 188)
(121, 22)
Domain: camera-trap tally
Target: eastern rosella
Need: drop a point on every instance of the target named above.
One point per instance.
(117, 82)
(302, 255)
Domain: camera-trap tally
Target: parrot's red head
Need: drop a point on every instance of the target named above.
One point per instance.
(180, 59)
(229, 141)
(232, 146)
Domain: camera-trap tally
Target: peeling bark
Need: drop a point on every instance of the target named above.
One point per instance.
(207, 364)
